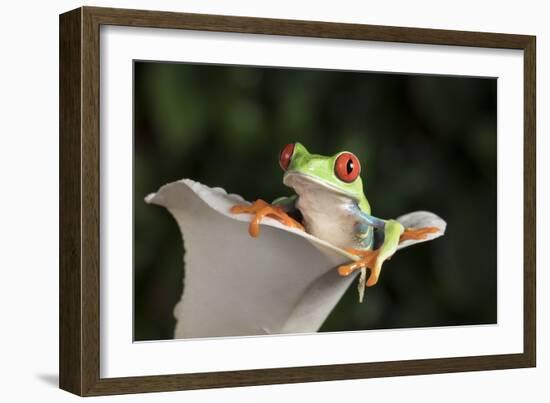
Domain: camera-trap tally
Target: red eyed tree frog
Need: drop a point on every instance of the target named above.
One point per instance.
(330, 198)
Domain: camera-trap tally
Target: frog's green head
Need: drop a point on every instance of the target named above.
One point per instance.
(338, 173)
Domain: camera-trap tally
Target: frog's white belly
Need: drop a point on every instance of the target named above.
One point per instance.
(329, 220)
(327, 214)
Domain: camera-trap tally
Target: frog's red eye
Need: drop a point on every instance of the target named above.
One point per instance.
(347, 167)
(285, 156)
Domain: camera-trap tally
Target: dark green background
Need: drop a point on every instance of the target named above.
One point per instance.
(425, 142)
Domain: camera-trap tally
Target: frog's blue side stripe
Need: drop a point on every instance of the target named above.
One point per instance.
(364, 234)
(367, 219)
(364, 228)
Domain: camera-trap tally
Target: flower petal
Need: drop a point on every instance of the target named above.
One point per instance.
(283, 281)
(421, 219)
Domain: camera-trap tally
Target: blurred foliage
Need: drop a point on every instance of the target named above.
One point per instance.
(425, 142)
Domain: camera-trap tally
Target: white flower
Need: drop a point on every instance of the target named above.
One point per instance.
(284, 281)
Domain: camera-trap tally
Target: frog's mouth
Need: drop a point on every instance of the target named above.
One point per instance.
(303, 183)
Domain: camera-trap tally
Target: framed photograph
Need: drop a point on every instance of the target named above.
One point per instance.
(249, 201)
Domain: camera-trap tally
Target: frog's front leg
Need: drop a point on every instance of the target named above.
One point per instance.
(260, 209)
(374, 259)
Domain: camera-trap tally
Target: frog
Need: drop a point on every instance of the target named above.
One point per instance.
(329, 203)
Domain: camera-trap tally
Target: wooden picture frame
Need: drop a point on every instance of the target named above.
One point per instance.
(80, 198)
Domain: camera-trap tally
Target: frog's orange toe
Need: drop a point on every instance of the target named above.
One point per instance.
(360, 252)
(346, 269)
(417, 233)
(261, 209)
(241, 208)
(374, 274)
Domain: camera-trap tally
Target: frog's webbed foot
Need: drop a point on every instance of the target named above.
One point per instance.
(368, 260)
(261, 209)
(417, 233)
